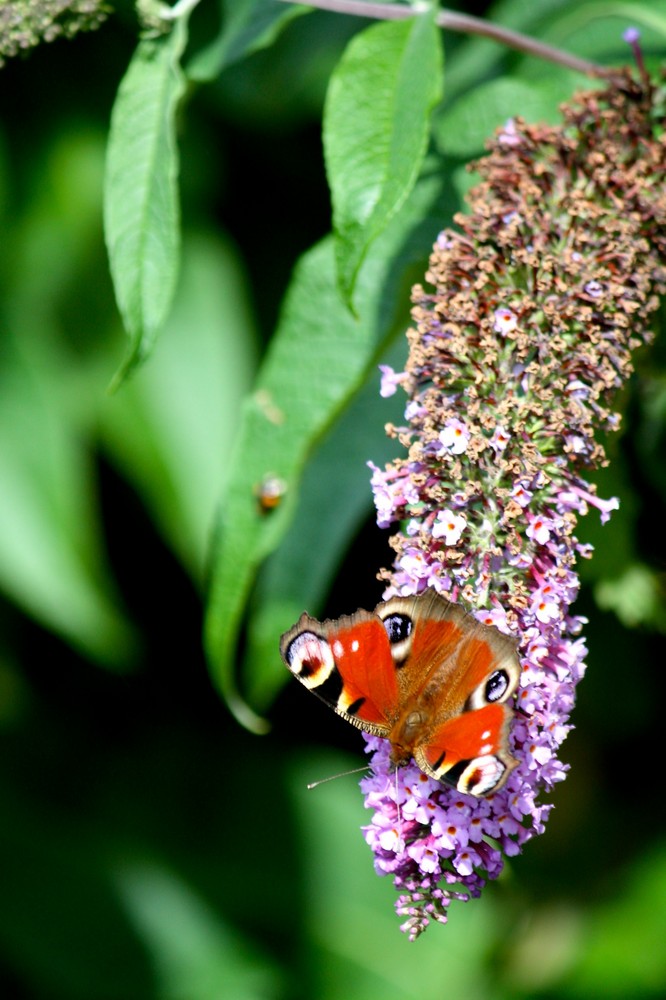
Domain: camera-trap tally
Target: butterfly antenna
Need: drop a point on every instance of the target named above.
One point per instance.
(333, 777)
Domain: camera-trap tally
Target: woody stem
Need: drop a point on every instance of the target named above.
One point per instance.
(470, 25)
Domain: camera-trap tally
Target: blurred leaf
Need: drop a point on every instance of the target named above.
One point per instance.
(141, 212)
(266, 91)
(196, 956)
(49, 537)
(595, 29)
(475, 59)
(652, 16)
(376, 125)
(172, 427)
(51, 559)
(577, 27)
(248, 25)
(635, 597)
(543, 948)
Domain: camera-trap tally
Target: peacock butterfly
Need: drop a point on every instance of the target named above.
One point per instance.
(425, 674)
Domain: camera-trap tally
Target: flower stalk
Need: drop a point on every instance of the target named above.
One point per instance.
(525, 331)
(467, 24)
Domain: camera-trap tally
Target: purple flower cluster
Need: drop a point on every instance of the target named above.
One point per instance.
(513, 358)
(424, 832)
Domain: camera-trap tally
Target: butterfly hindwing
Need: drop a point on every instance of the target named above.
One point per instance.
(470, 750)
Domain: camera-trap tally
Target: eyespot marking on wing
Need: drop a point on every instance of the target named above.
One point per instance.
(399, 628)
(310, 658)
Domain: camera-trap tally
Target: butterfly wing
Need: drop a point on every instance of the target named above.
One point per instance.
(470, 751)
(348, 664)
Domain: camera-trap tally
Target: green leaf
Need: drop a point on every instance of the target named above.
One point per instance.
(316, 359)
(335, 497)
(376, 124)
(248, 25)
(56, 330)
(50, 561)
(635, 597)
(141, 212)
(622, 951)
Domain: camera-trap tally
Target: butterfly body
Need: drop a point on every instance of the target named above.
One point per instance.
(424, 674)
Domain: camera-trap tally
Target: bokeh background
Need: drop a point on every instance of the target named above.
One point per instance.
(151, 847)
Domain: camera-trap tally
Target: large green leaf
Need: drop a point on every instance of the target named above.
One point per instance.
(621, 953)
(316, 360)
(141, 210)
(196, 954)
(376, 126)
(335, 497)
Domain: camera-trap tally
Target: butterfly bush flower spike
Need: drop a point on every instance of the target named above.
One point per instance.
(532, 309)
(26, 23)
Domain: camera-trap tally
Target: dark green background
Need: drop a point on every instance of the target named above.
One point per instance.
(149, 846)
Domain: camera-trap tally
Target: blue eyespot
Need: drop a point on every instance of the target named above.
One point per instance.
(398, 627)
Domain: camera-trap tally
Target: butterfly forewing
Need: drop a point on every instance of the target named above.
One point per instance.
(348, 664)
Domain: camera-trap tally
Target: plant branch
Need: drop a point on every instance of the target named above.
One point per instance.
(469, 25)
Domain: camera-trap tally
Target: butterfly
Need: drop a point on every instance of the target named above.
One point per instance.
(423, 673)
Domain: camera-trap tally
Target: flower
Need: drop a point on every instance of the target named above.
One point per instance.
(506, 321)
(454, 437)
(631, 36)
(448, 526)
(535, 306)
(390, 380)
